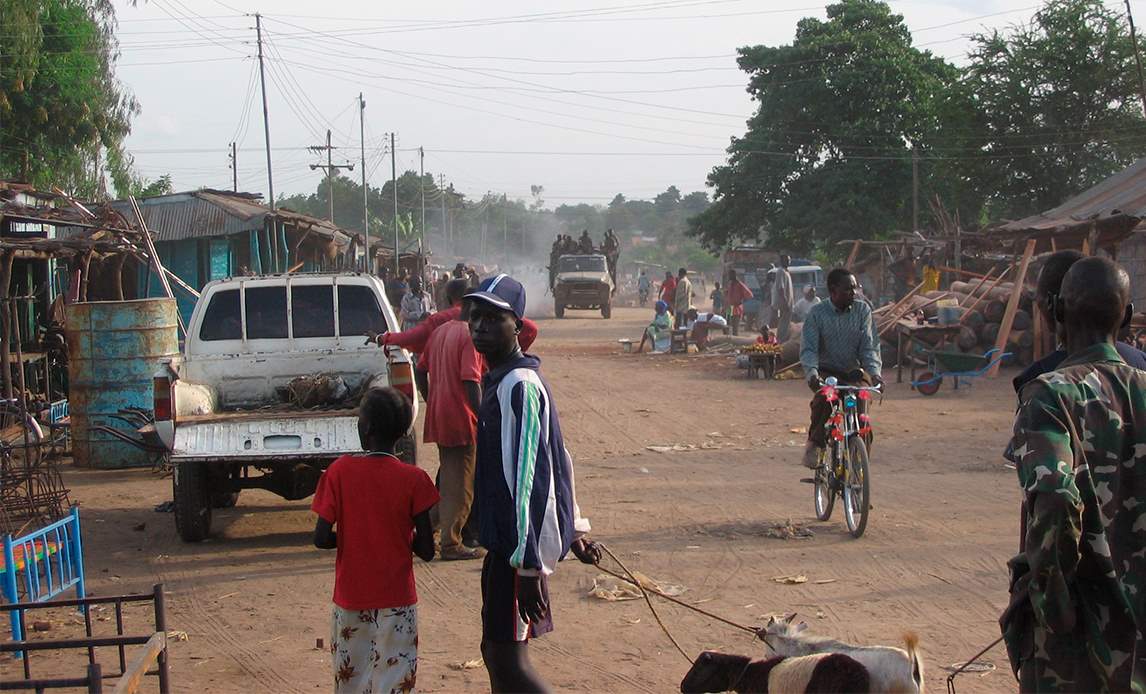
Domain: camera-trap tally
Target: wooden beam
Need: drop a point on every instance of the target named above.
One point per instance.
(1013, 304)
(133, 676)
(984, 295)
(852, 256)
(964, 273)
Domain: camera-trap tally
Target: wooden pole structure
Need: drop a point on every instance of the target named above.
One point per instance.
(984, 295)
(1013, 304)
(854, 252)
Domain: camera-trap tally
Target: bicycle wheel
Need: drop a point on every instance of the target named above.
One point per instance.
(857, 489)
(823, 493)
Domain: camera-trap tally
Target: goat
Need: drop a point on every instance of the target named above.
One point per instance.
(891, 669)
(825, 672)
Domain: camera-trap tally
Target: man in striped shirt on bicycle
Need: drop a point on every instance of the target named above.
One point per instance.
(839, 339)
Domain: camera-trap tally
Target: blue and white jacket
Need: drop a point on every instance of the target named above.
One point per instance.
(527, 510)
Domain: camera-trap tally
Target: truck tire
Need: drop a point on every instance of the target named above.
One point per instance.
(192, 493)
(607, 310)
(224, 499)
(559, 309)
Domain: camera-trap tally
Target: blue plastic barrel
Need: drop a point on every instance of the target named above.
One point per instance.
(114, 349)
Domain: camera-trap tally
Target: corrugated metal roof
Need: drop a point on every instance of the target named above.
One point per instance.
(1121, 195)
(207, 213)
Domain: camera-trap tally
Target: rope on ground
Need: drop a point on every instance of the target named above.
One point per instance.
(640, 586)
(968, 665)
(631, 578)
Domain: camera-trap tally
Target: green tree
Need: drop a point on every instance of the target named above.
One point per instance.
(827, 154)
(60, 102)
(1059, 105)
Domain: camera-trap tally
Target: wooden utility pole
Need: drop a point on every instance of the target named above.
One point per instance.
(504, 232)
(394, 185)
(266, 122)
(442, 194)
(234, 169)
(422, 189)
(330, 170)
(914, 188)
(368, 262)
(1137, 57)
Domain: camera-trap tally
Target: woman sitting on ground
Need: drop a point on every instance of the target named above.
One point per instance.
(659, 332)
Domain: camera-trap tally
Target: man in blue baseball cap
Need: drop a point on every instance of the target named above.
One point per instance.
(527, 506)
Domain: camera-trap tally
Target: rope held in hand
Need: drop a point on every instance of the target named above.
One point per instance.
(631, 578)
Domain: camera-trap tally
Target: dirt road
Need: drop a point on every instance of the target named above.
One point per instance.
(254, 598)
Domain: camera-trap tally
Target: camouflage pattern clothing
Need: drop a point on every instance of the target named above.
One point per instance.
(1078, 602)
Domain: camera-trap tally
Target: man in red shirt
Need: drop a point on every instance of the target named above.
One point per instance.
(449, 378)
(415, 338)
(668, 291)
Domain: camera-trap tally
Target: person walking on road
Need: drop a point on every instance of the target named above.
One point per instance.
(527, 499)
(415, 306)
(738, 293)
(838, 340)
(782, 298)
(805, 304)
(682, 298)
(374, 509)
(449, 377)
(1078, 586)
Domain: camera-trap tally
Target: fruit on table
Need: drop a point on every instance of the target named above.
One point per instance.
(762, 349)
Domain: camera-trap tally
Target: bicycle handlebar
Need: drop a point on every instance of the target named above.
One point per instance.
(832, 382)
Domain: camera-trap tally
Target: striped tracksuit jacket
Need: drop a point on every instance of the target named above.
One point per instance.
(524, 475)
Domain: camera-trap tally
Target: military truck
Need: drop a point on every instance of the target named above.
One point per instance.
(583, 282)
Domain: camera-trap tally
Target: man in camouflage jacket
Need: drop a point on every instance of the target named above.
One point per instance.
(1078, 594)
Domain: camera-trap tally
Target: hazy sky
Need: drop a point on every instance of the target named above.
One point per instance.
(585, 98)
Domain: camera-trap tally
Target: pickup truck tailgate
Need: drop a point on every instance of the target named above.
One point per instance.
(277, 435)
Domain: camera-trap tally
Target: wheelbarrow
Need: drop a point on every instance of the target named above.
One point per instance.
(955, 365)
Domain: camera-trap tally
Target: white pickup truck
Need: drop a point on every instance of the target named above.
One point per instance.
(220, 409)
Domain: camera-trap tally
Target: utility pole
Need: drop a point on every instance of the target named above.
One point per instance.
(394, 185)
(422, 188)
(1137, 57)
(330, 170)
(234, 169)
(915, 188)
(266, 123)
(368, 264)
(504, 232)
(442, 194)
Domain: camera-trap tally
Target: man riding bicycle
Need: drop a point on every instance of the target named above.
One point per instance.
(839, 339)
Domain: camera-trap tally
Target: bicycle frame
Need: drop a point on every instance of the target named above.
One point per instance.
(846, 420)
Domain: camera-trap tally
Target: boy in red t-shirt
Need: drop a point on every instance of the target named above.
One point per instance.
(380, 507)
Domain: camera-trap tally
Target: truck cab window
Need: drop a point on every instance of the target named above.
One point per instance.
(312, 310)
(223, 319)
(266, 313)
(358, 311)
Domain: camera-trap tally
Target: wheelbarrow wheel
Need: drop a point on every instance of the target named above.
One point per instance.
(928, 383)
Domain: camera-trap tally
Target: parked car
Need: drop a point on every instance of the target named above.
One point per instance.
(222, 408)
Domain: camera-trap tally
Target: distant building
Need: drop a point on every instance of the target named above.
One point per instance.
(206, 235)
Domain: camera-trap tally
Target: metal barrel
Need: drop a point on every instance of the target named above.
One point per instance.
(114, 349)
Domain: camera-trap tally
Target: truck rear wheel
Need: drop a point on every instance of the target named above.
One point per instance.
(607, 310)
(192, 492)
(559, 309)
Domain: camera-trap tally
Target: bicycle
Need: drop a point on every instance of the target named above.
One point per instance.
(843, 466)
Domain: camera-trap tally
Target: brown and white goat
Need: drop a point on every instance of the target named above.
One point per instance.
(723, 672)
(891, 669)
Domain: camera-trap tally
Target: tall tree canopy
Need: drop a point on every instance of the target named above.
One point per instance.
(1059, 104)
(1042, 111)
(60, 102)
(828, 152)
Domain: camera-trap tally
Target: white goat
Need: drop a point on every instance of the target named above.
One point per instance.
(891, 669)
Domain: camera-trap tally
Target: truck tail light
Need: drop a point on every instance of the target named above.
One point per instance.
(402, 378)
(161, 383)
